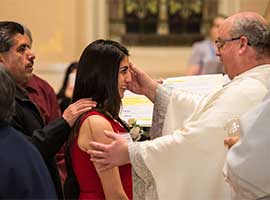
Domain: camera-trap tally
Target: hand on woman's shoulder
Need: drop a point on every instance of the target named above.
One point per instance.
(92, 129)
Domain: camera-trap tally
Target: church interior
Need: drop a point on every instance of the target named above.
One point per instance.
(158, 33)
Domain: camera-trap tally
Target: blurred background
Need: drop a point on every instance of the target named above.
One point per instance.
(158, 33)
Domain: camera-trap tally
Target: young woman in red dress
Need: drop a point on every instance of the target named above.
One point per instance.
(103, 75)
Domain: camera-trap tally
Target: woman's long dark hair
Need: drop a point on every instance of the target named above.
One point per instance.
(97, 78)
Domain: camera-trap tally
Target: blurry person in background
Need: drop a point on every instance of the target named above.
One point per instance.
(23, 172)
(64, 95)
(203, 59)
(64, 98)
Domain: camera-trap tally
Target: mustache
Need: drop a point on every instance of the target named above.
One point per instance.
(31, 63)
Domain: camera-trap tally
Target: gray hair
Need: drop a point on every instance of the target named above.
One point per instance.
(28, 33)
(8, 30)
(257, 32)
(7, 95)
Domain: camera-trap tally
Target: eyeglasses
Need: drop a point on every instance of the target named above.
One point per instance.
(221, 42)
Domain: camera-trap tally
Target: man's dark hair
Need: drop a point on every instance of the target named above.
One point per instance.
(7, 95)
(8, 30)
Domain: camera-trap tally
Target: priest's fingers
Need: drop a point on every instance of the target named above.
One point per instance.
(98, 146)
(132, 69)
(96, 154)
(103, 167)
(101, 163)
(230, 141)
(112, 135)
(160, 80)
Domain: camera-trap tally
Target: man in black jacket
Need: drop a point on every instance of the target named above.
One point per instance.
(18, 59)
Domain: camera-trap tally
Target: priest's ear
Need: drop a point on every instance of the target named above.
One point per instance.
(243, 40)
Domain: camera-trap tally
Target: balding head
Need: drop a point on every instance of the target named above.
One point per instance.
(243, 42)
(254, 27)
(242, 15)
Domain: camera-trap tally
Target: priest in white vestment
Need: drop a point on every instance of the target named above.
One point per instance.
(186, 162)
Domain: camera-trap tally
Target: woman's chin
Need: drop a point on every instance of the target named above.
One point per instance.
(121, 94)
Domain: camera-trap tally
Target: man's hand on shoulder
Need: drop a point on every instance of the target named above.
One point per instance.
(74, 110)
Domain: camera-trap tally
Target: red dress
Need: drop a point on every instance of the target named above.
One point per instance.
(90, 185)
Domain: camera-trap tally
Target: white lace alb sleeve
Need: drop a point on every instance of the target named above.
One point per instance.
(161, 103)
(144, 187)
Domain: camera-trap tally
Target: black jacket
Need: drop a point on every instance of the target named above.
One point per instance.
(48, 139)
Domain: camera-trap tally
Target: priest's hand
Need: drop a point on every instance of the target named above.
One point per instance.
(110, 155)
(230, 141)
(142, 83)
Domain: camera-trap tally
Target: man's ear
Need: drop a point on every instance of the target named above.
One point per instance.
(243, 41)
(243, 44)
(2, 58)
